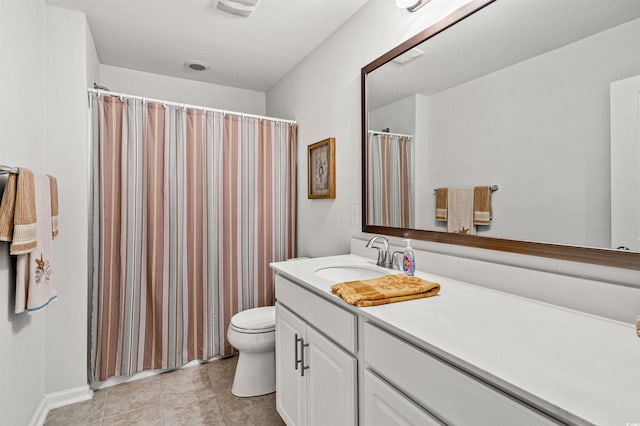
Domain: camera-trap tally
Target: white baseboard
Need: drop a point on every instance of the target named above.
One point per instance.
(68, 396)
(59, 399)
(40, 414)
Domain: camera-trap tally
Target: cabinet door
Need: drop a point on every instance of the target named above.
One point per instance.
(331, 382)
(290, 385)
(384, 406)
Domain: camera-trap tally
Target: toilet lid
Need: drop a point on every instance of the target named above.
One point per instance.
(256, 319)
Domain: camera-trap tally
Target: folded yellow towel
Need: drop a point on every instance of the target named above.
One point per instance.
(386, 289)
(482, 213)
(441, 204)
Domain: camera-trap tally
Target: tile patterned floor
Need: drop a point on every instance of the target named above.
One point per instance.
(199, 395)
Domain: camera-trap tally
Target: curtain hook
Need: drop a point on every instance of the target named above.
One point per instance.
(164, 105)
(144, 101)
(121, 98)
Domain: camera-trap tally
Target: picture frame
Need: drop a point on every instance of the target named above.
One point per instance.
(321, 169)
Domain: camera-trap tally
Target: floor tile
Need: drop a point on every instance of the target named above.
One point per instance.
(132, 396)
(147, 416)
(198, 395)
(81, 413)
(192, 411)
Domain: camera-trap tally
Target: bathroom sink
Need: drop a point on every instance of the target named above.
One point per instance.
(340, 273)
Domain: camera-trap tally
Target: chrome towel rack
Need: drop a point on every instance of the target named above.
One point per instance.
(5, 170)
(492, 188)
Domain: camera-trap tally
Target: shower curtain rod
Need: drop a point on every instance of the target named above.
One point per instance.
(181, 105)
(374, 132)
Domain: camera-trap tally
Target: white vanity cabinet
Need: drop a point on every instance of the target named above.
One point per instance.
(454, 359)
(316, 380)
(448, 393)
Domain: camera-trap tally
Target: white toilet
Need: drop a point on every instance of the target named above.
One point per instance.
(253, 333)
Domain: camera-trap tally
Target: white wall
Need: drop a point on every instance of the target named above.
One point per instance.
(398, 116)
(93, 62)
(22, 129)
(424, 195)
(547, 144)
(323, 94)
(175, 89)
(69, 62)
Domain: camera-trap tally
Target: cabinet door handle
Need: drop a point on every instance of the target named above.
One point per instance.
(304, 367)
(295, 345)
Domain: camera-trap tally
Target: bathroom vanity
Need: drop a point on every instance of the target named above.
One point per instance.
(469, 355)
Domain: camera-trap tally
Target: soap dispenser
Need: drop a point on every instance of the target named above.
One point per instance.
(408, 260)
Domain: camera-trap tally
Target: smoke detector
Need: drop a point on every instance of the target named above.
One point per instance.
(196, 66)
(238, 7)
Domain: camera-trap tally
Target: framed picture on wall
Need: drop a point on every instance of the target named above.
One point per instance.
(321, 169)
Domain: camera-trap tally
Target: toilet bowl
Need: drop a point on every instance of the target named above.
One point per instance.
(252, 332)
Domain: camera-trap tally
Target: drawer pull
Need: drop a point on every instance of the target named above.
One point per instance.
(304, 367)
(295, 345)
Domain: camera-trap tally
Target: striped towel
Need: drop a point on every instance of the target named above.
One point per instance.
(441, 204)
(383, 290)
(53, 192)
(482, 213)
(18, 213)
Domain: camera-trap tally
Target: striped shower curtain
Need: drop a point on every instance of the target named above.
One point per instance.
(189, 209)
(389, 176)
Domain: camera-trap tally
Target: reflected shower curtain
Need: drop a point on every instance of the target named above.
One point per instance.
(389, 181)
(189, 209)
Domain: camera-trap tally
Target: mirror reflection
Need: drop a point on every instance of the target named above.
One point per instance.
(538, 97)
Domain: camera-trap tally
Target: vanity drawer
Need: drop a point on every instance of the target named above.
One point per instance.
(335, 322)
(384, 405)
(450, 394)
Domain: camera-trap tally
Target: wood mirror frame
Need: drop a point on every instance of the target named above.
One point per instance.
(599, 256)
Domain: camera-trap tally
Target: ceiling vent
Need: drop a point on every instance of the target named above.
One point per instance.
(408, 56)
(238, 7)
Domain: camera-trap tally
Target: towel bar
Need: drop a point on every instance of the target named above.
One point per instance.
(492, 188)
(4, 170)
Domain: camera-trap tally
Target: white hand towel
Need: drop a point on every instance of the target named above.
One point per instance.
(34, 271)
(460, 211)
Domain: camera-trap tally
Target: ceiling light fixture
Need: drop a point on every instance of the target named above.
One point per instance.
(411, 5)
(196, 66)
(238, 7)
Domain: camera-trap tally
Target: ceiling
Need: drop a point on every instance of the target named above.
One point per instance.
(159, 36)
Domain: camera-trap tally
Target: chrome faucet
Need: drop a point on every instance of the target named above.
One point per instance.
(384, 257)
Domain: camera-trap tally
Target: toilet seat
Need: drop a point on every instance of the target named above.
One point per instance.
(254, 321)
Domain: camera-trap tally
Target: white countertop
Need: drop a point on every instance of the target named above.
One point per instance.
(584, 368)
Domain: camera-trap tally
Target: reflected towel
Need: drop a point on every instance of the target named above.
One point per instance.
(460, 211)
(383, 290)
(482, 213)
(34, 271)
(441, 204)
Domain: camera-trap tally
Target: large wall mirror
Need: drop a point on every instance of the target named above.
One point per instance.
(537, 97)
